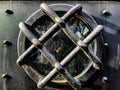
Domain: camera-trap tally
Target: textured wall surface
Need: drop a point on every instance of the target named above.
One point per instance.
(23, 9)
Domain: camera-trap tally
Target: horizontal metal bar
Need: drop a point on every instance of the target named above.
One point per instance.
(23, 58)
(96, 61)
(70, 56)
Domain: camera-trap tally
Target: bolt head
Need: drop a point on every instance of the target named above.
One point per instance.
(104, 79)
(106, 13)
(106, 44)
(6, 76)
(7, 43)
(119, 29)
(8, 11)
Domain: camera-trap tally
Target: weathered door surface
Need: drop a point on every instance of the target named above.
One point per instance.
(66, 45)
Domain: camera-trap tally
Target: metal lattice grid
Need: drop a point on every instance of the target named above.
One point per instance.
(80, 46)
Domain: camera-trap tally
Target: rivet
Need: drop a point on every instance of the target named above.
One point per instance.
(8, 11)
(7, 43)
(104, 79)
(6, 76)
(106, 44)
(106, 13)
(119, 29)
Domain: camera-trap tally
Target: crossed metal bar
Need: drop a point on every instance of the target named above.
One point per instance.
(80, 45)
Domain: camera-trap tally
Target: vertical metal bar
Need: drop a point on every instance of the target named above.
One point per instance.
(59, 21)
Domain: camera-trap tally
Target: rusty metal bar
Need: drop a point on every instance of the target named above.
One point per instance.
(72, 36)
(72, 11)
(75, 83)
(22, 59)
(25, 29)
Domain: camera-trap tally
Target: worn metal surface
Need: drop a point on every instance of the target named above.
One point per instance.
(83, 45)
(23, 9)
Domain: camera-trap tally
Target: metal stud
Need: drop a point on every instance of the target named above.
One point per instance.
(106, 13)
(8, 11)
(6, 76)
(106, 44)
(119, 29)
(104, 79)
(7, 43)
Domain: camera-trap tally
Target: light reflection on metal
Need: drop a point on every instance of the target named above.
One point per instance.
(104, 79)
(6, 76)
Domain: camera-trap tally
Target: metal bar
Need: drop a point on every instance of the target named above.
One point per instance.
(59, 21)
(70, 56)
(72, 36)
(22, 59)
(26, 30)
(74, 83)
(93, 34)
(64, 62)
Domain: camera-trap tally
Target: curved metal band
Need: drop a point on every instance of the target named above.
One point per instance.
(69, 58)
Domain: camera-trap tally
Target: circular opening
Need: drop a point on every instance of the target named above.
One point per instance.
(60, 46)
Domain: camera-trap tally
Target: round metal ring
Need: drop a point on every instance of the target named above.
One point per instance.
(85, 18)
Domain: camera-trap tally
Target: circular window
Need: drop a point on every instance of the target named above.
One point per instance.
(60, 45)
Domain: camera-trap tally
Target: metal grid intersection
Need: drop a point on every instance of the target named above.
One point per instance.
(80, 45)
